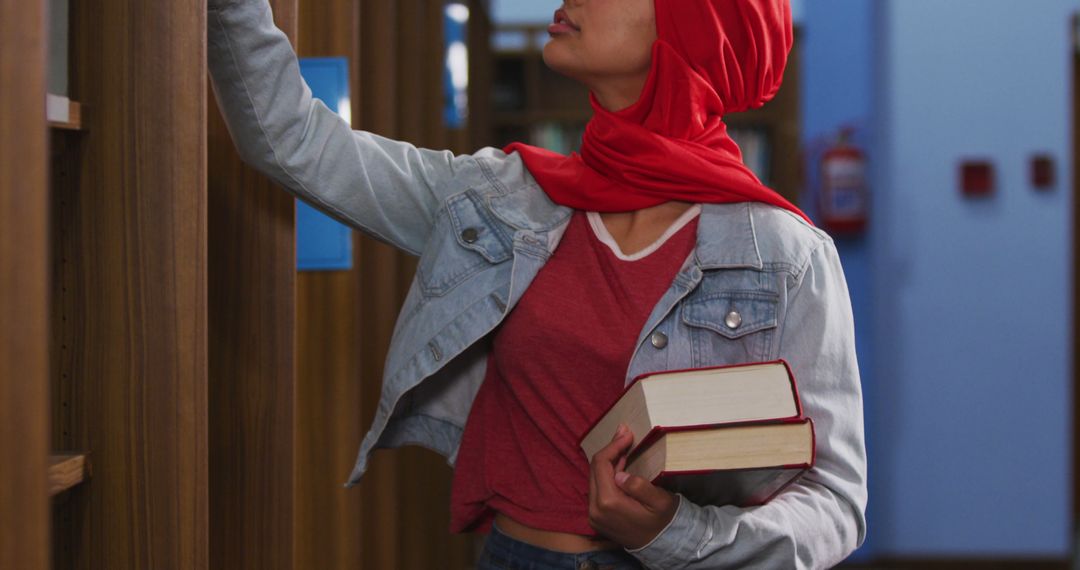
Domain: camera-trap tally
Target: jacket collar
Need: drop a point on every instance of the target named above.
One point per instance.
(726, 237)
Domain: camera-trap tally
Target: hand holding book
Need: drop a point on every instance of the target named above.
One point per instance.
(729, 435)
(624, 507)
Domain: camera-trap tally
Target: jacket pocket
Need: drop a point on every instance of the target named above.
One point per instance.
(731, 326)
(466, 239)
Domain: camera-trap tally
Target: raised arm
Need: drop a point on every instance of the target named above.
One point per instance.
(387, 188)
(820, 519)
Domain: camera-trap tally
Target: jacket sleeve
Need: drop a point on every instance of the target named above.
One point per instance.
(389, 189)
(819, 520)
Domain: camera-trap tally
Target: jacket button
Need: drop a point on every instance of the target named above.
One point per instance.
(469, 235)
(733, 320)
(659, 339)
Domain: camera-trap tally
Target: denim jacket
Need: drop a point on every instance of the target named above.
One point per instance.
(761, 284)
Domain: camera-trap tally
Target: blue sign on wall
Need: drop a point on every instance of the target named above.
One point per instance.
(456, 68)
(323, 243)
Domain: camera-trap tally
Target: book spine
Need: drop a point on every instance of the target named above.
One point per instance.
(794, 387)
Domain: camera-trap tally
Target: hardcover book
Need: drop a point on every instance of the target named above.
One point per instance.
(718, 435)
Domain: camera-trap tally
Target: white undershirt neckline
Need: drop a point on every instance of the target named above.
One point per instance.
(602, 234)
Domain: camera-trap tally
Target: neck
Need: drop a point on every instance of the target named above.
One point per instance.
(618, 93)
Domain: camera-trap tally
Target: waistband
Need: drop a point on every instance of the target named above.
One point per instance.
(504, 551)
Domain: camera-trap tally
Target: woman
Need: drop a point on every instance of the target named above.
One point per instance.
(546, 282)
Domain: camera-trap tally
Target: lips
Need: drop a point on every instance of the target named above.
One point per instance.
(562, 18)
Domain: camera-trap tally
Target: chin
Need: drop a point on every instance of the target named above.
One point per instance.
(559, 59)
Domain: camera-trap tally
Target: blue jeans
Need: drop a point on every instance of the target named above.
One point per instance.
(502, 552)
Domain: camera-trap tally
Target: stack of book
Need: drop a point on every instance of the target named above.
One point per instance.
(726, 435)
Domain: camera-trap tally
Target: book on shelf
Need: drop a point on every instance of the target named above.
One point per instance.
(718, 435)
(58, 48)
(57, 102)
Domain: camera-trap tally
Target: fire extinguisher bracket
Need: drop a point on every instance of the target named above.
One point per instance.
(843, 200)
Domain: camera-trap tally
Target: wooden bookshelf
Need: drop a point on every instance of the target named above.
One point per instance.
(155, 307)
(127, 253)
(780, 120)
(527, 95)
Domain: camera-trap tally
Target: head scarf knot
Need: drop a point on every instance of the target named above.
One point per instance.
(711, 57)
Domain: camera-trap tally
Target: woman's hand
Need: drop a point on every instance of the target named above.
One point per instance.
(624, 507)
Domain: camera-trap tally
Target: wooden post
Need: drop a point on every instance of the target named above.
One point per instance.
(24, 499)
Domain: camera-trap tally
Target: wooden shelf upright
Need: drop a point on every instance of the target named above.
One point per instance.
(24, 365)
(127, 290)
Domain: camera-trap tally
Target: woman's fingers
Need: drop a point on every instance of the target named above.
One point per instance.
(625, 508)
(605, 493)
(603, 463)
(619, 444)
(652, 497)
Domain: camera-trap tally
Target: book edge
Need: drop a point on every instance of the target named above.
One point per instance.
(646, 375)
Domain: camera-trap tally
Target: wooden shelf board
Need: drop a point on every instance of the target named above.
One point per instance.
(66, 471)
(74, 122)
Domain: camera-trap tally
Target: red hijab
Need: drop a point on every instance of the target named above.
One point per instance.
(711, 57)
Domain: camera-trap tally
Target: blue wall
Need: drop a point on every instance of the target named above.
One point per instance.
(961, 306)
(971, 297)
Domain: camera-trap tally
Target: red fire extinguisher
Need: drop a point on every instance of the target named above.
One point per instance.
(844, 194)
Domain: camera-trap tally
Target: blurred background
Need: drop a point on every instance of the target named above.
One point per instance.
(189, 357)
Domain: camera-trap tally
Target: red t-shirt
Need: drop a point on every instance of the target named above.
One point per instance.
(558, 362)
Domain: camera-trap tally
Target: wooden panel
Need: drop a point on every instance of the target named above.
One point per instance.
(328, 394)
(424, 478)
(66, 399)
(378, 290)
(252, 280)
(24, 502)
(129, 287)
